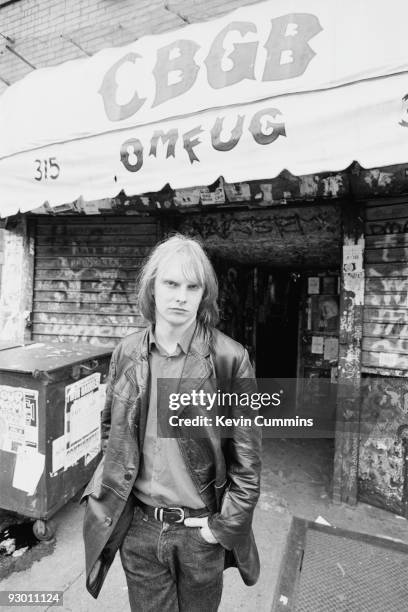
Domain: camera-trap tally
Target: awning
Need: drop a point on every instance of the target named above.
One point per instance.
(303, 85)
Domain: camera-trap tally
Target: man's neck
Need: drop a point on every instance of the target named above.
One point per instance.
(168, 336)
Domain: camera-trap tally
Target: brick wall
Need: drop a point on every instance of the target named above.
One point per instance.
(48, 32)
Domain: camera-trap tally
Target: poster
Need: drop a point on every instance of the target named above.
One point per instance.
(325, 313)
(352, 258)
(18, 418)
(331, 349)
(28, 469)
(82, 421)
(313, 285)
(317, 345)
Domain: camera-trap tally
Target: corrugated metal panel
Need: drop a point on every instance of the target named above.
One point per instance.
(385, 330)
(85, 276)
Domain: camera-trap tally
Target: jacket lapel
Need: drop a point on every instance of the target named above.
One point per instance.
(197, 366)
(137, 376)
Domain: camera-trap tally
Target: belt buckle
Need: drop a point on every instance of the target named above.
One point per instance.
(182, 514)
(159, 514)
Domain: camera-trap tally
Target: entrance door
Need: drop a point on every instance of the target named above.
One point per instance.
(277, 318)
(259, 307)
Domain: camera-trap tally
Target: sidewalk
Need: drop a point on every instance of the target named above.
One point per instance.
(296, 478)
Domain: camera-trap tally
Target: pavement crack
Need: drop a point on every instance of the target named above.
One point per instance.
(68, 586)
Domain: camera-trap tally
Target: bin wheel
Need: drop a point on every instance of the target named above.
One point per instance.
(44, 530)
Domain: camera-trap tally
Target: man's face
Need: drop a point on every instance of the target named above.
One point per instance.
(177, 298)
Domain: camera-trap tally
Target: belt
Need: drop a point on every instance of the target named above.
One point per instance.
(175, 514)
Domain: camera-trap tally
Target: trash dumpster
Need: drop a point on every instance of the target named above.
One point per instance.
(51, 397)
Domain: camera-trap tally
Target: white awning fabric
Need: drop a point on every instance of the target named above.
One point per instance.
(303, 85)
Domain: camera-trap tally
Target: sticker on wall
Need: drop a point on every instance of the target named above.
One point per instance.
(262, 193)
(90, 208)
(331, 349)
(354, 282)
(237, 192)
(31, 417)
(317, 345)
(187, 197)
(313, 285)
(212, 197)
(308, 186)
(18, 418)
(352, 258)
(325, 313)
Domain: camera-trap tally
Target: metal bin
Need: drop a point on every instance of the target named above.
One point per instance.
(51, 396)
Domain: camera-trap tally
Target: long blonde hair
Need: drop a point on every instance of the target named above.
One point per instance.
(197, 267)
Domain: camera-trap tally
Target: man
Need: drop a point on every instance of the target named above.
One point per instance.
(179, 509)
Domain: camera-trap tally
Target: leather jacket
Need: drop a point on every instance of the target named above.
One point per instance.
(226, 472)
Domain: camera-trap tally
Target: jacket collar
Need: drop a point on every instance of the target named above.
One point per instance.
(196, 370)
(199, 345)
(182, 345)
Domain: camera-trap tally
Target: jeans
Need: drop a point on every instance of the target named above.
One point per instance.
(170, 568)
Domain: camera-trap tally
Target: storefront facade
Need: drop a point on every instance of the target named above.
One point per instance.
(312, 263)
(283, 293)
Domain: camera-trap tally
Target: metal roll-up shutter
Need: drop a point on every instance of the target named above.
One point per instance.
(85, 276)
(385, 332)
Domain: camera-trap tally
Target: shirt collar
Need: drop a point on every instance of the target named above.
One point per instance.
(183, 343)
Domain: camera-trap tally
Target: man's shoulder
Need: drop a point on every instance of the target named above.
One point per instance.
(224, 344)
(131, 343)
(231, 359)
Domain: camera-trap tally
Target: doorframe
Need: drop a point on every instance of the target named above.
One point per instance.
(347, 432)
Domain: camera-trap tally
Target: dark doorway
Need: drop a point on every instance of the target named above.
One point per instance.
(278, 297)
(237, 302)
(259, 307)
(282, 316)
